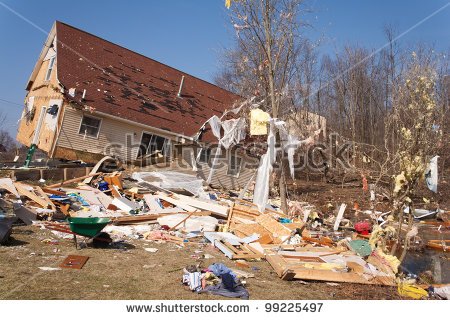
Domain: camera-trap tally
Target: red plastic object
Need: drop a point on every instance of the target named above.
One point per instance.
(363, 227)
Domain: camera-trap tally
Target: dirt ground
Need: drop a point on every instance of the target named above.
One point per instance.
(127, 271)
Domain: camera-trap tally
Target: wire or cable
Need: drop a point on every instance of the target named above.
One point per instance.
(10, 102)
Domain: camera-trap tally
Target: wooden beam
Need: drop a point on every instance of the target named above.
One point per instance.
(57, 185)
(23, 191)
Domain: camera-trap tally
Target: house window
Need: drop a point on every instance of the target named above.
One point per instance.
(205, 155)
(90, 126)
(50, 68)
(151, 143)
(234, 165)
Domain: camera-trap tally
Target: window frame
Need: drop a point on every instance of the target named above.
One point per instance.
(166, 148)
(51, 65)
(84, 134)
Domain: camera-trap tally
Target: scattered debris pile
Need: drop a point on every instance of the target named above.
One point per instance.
(303, 244)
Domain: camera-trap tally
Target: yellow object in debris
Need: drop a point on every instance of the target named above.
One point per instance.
(410, 291)
(258, 122)
(228, 4)
(393, 262)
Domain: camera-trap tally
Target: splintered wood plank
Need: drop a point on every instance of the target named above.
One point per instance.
(42, 194)
(277, 263)
(231, 247)
(274, 227)
(204, 205)
(249, 229)
(330, 276)
(53, 191)
(57, 185)
(23, 191)
(230, 216)
(252, 250)
(179, 203)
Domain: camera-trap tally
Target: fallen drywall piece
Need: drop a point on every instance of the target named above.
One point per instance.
(91, 195)
(194, 223)
(125, 204)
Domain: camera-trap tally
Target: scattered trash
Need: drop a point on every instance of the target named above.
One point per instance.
(49, 269)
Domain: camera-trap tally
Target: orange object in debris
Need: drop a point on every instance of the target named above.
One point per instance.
(365, 185)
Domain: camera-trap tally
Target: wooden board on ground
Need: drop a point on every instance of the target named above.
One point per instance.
(204, 205)
(74, 262)
(277, 229)
(179, 203)
(287, 270)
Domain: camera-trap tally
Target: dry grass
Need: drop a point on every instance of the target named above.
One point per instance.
(130, 272)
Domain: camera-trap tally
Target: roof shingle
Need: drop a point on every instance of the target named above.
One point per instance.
(126, 84)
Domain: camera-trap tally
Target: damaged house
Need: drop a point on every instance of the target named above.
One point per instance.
(88, 98)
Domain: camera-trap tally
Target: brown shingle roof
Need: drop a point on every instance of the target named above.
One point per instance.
(129, 85)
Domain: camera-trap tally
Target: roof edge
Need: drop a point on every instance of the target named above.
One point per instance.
(135, 52)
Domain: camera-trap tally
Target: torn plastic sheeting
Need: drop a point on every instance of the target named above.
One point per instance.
(291, 143)
(216, 125)
(261, 191)
(432, 174)
(194, 223)
(170, 179)
(234, 132)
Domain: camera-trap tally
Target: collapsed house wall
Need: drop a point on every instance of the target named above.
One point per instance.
(41, 96)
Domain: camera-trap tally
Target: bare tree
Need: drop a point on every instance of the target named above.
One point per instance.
(7, 143)
(264, 60)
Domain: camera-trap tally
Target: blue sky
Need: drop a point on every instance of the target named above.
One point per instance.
(190, 34)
